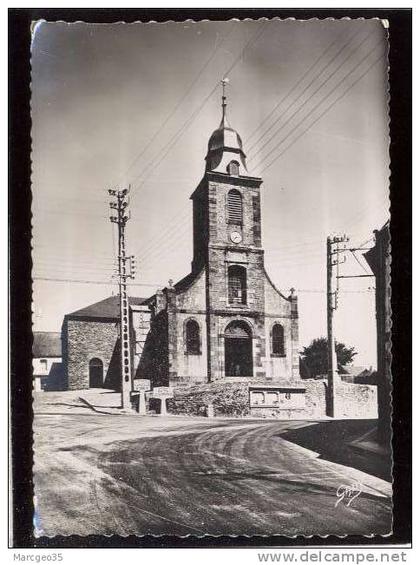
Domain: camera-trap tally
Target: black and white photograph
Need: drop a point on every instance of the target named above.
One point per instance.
(211, 259)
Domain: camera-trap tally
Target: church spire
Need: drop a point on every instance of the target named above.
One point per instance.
(224, 122)
(225, 144)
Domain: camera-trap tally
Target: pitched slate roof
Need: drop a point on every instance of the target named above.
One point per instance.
(109, 308)
(46, 344)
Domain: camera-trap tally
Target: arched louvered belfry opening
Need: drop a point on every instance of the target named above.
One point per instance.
(234, 207)
(277, 339)
(238, 350)
(96, 373)
(192, 337)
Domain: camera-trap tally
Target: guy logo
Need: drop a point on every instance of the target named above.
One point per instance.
(348, 493)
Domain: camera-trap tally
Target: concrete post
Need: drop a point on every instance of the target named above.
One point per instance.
(142, 403)
(163, 407)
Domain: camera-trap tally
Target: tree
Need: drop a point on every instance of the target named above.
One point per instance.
(315, 357)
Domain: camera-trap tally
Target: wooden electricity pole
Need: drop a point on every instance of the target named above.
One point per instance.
(119, 205)
(335, 246)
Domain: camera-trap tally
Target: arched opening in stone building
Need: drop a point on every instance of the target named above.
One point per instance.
(96, 373)
(238, 350)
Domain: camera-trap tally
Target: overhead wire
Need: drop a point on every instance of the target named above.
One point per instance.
(65, 211)
(352, 38)
(319, 117)
(150, 142)
(90, 281)
(312, 95)
(357, 259)
(190, 120)
(314, 79)
(164, 237)
(323, 113)
(291, 90)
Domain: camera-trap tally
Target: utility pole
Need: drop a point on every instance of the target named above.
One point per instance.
(335, 246)
(119, 206)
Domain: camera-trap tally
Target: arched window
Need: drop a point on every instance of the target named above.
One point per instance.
(192, 337)
(237, 284)
(234, 204)
(277, 340)
(233, 168)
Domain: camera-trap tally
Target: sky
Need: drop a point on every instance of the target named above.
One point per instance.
(135, 104)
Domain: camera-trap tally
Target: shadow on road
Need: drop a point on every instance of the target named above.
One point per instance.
(332, 440)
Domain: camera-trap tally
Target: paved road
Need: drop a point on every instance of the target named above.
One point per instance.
(97, 474)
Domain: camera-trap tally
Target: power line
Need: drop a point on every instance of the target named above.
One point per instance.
(157, 242)
(163, 241)
(173, 111)
(71, 270)
(323, 113)
(372, 238)
(167, 244)
(65, 211)
(289, 91)
(90, 281)
(36, 245)
(81, 199)
(61, 260)
(292, 89)
(189, 121)
(305, 89)
(336, 70)
(161, 285)
(357, 259)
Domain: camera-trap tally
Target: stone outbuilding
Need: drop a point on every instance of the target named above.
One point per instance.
(91, 344)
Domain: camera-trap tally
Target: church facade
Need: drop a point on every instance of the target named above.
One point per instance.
(226, 320)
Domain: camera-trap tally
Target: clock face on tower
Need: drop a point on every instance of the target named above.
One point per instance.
(236, 237)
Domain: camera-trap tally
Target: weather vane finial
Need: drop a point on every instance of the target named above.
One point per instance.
(225, 82)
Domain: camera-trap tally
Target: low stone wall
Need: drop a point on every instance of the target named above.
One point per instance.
(232, 399)
(281, 414)
(228, 399)
(357, 401)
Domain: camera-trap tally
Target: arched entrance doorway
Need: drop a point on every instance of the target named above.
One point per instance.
(238, 350)
(96, 373)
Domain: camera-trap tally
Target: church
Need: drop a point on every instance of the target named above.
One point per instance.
(225, 321)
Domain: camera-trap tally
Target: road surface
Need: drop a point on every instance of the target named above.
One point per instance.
(102, 474)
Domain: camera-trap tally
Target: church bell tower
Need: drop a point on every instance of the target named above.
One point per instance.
(227, 244)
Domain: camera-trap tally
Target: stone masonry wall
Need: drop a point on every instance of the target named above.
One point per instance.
(86, 340)
(219, 226)
(357, 401)
(284, 311)
(231, 398)
(228, 399)
(191, 305)
(316, 398)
